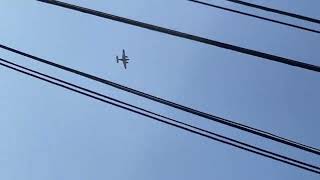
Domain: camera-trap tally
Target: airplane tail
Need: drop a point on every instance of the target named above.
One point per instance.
(117, 59)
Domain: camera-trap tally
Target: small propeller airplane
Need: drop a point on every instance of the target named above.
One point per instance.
(124, 59)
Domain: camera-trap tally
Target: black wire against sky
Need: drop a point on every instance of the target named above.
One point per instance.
(239, 49)
(159, 115)
(183, 126)
(255, 16)
(297, 16)
(172, 104)
(190, 110)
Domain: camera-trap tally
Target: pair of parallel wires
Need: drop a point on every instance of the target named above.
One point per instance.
(158, 117)
(292, 15)
(163, 119)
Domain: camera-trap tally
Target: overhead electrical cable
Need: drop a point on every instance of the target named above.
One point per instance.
(175, 123)
(255, 16)
(246, 128)
(158, 115)
(293, 15)
(239, 49)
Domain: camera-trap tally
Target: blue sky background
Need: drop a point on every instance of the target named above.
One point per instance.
(49, 133)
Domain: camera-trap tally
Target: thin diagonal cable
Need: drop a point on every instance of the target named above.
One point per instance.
(297, 16)
(255, 16)
(160, 120)
(161, 116)
(171, 104)
(152, 27)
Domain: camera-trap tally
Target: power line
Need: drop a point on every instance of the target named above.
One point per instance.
(297, 16)
(246, 128)
(184, 126)
(243, 50)
(255, 16)
(158, 115)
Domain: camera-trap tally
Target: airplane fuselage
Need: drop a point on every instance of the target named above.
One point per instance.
(124, 59)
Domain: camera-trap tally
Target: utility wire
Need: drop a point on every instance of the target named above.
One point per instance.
(175, 123)
(158, 115)
(297, 16)
(255, 16)
(243, 50)
(172, 104)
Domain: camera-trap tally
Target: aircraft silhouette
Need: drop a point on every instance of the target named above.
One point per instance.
(124, 59)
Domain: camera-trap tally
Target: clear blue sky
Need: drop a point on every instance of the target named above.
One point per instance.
(49, 133)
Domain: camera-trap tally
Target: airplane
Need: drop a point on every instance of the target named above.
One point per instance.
(124, 59)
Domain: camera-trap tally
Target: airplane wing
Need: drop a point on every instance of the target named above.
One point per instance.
(123, 54)
(125, 64)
